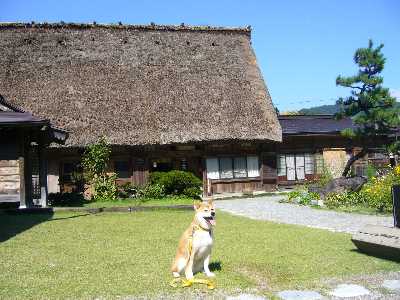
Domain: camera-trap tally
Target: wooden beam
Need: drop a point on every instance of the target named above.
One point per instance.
(42, 175)
(22, 168)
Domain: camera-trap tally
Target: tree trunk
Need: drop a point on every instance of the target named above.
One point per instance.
(352, 160)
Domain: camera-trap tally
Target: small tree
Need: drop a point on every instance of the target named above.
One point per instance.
(370, 106)
(94, 162)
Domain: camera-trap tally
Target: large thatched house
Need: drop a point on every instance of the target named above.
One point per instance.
(166, 97)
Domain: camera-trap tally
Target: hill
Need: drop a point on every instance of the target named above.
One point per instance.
(320, 110)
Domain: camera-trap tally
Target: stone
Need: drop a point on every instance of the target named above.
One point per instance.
(393, 285)
(246, 297)
(300, 295)
(349, 290)
(379, 241)
(339, 185)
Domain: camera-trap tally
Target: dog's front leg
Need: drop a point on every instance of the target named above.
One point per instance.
(189, 266)
(206, 268)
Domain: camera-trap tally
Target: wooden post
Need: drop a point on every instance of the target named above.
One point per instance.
(42, 175)
(21, 163)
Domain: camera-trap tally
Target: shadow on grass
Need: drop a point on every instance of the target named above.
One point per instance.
(382, 254)
(14, 223)
(215, 266)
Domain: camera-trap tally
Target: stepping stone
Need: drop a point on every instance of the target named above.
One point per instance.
(393, 285)
(245, 297)
(349, 290)
(300, 295)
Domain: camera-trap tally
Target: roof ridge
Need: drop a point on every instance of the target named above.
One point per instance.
(120, 25)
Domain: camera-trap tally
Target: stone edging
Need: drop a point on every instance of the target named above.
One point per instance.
(39, 210)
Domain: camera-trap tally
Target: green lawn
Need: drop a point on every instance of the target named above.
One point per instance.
(146, 202)
(105, 255)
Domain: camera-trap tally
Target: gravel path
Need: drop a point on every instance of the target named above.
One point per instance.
(269, 208)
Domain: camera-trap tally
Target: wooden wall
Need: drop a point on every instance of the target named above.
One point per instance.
(9, 167)
(140, 161)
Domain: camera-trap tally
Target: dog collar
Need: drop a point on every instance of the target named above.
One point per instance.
(198, 227)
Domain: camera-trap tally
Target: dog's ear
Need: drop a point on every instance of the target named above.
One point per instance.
(196, 205)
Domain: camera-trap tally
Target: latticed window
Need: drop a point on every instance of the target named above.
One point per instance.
(232, 167)
(225, 168)
(240, 167)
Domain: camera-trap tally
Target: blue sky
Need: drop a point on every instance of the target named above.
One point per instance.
(301, 46)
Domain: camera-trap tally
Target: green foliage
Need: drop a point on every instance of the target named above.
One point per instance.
(128, 190)
(343, 200)
(96, 158)
(375, 194)
(153, 191)
(324, 178)
(65, 199)
(94, 162)
(302, 197)
(192, 192)
(104, 187)
(371, 172)
(177, 182)
(370, 105)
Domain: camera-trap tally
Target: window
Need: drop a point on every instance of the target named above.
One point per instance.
(225, 168)
(240, 167)
(281, 165)
(319, 163)
(296, 166)
(69, 168)
(309, 163)
(232, 167)
(212, 168)
(122, 169)
(253, 167)
(184, 164)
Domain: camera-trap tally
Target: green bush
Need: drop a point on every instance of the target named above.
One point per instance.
(376, 194)
(177, 182)
(104, 187)
(324, 178)
(343, 200)
(94, 162)
(192, 192)
(65, 199)
(154, 191)
(303, 197)
(129, 190)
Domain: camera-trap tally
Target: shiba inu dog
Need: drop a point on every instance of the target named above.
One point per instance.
(194, 250)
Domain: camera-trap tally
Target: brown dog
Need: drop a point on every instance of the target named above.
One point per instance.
(194, 250)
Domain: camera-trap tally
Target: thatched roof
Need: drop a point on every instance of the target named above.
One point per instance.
(138, 85)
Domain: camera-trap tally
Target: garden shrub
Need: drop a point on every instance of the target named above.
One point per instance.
(155, 191)
(104, 187)
(192, 192)
(324, 178)
(129, 190)
(177, 182)
(65, 199)
(376, 193)
(343, 200)
(94, 162)
(302, 197)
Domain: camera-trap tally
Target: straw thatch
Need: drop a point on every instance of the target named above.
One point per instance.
(138, 85)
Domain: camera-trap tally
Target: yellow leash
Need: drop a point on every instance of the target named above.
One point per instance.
(187, 283)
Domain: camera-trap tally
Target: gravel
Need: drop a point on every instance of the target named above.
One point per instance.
(269, 208)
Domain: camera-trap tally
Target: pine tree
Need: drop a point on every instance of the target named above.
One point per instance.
(370, 105)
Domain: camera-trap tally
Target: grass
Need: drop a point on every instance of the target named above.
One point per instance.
(143, 202)
(69, 255)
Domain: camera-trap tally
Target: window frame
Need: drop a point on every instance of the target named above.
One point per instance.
(128, 165)
(232, 166)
